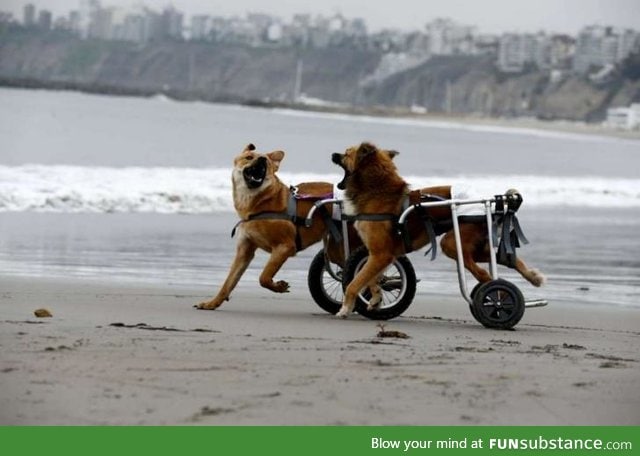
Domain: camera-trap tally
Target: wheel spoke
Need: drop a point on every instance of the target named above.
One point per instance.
(331, 286)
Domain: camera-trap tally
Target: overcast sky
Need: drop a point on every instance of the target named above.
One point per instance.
(490, 16)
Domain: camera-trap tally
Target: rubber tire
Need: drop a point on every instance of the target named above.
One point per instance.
(386, 313)
(316, 285)
(486, 316)
(472, 295)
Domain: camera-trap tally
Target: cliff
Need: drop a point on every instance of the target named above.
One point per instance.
(189, 70)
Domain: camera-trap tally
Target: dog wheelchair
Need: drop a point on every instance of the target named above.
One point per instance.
(495, 304)
(343, 251)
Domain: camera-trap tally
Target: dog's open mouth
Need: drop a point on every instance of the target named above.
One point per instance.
(337, 159)
(254, 175)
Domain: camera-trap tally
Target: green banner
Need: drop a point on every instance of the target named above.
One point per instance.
(326, 441)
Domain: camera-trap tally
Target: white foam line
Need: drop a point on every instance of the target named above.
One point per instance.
(452, 125)
(57, 188)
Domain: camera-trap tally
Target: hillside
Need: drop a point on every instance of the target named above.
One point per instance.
(453, 84)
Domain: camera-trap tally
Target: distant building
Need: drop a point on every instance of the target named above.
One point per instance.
(171, 23)
(129, 27)
(487, 44)
(274, 33)
(598, 46)
(6, 17)
(628, 41)
(44, 20)
(448, 38)
(74, 21)
(152, 26)
(86, 15)
(101, 25)
(200, 27)
(29, 15)
(561, 51)
(515, 51)
(624, 118)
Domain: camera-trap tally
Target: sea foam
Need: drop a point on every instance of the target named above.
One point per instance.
(57, 188)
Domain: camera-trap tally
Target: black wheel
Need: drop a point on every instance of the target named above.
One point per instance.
(325, 283)
(498, 304)
(474, 291)
(397, 283)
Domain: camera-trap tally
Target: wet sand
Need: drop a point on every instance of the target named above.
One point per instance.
(126, 355)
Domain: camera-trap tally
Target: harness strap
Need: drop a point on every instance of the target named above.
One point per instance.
(429, 223)
(511, 232)
(429, 228)
(369, 217)
(263, 216)
(498, 215)
(291, 215)
(334, 231)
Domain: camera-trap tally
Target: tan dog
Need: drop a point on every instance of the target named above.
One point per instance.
(257, 190)
(373, 186)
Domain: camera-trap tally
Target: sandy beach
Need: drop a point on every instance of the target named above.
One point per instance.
(114, 355)
(116, 217)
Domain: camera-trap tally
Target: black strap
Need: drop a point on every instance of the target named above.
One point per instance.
(369, 217)
(334, 231)
(292, 216)
(263, 216)
(429, 228)
(511, 232)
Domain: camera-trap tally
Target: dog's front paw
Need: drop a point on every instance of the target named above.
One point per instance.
(344, 312)
(281, 287)
(208, 305)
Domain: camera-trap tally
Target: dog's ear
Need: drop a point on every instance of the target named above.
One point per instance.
(392, 153)
(276, 157)
(365, 150)
(249, 147)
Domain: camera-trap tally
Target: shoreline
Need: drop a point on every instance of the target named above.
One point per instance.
(558, 125)
(124, 355)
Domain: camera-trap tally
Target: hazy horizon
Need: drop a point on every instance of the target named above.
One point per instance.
(490, 16)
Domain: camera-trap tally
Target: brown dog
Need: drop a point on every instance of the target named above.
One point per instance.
(373, 186)
(257, 191)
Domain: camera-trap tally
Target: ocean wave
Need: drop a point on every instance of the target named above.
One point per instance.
(47, 188)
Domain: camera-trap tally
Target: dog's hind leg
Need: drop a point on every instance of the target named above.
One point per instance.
(370, 271)
(448, 245)
(245, 252)
(470, 238)
(535, 277)
(279, 255)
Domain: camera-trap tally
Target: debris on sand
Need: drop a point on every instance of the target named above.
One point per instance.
(388, 333)
(42, 313)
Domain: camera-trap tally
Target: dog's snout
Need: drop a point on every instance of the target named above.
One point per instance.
(336, 158)
(262, 160)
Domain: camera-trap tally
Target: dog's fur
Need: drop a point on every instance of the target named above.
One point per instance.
(257, 189)
(373, 186)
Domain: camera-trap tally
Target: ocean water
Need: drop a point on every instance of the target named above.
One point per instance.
(138, 190)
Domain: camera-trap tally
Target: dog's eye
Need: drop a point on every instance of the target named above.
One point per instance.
(250, 157)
